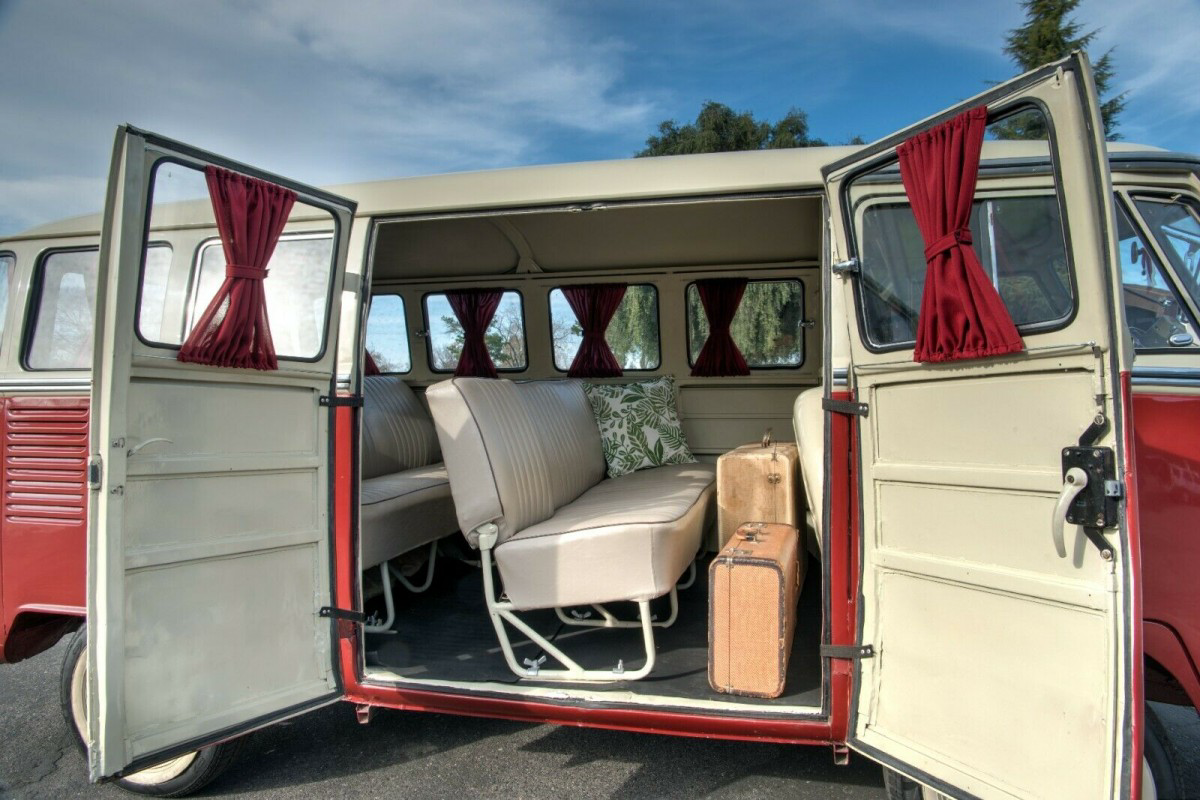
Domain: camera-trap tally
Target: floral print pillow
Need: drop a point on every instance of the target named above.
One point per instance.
(639, 425)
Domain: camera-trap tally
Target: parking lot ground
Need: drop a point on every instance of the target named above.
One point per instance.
(327, 754)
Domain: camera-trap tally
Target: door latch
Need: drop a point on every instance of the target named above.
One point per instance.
(1091, 496)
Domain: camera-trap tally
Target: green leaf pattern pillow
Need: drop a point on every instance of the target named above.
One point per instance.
(639, 425)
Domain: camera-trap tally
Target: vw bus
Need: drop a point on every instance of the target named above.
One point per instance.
(997, 544)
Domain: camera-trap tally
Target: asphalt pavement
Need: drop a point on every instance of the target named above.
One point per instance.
(327, 754)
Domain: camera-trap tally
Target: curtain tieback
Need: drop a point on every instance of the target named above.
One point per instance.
(948, 242)
(242, 271)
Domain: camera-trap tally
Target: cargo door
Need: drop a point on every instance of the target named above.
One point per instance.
(1000, 660)
(210, 528)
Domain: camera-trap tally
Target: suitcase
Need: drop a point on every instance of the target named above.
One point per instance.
(758, 483)
(752, 589)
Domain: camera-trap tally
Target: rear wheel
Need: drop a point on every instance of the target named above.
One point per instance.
(174, 778)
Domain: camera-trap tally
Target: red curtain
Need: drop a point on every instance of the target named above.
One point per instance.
(594, 305)
(369, 365)
(720, 354)
(962, 315)
(234, 331)
(474, 309)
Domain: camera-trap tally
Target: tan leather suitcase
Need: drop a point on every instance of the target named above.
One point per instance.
(752, 589)
(758, 483)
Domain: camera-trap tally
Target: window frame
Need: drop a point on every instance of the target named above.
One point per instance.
(407, 338)
(890, 162)
(657, 320)
(428, 337)
(687, 328)
(189, 311)
(11, 273)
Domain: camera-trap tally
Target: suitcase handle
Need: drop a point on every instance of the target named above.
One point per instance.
(766, 440)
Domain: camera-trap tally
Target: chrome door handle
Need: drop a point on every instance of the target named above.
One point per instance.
(1074, 482)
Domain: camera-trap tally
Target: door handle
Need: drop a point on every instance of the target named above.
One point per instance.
(1074, 482)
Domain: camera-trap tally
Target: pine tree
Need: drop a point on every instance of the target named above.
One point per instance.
(1048, 35)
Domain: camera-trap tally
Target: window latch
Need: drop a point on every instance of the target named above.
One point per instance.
(848, 267)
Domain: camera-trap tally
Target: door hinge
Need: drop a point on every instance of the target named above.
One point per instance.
(853, 652)
(846, 407)
(848, 267)
(95, 470)
(342, 401)
(342, 613)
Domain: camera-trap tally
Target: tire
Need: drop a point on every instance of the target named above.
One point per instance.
(177, 777)
(1160, 776)
(899, 787)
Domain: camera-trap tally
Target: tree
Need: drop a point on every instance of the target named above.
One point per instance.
(719, 129)
(1048, 35)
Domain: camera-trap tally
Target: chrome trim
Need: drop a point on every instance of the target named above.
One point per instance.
(46, 385)
(1166, 376)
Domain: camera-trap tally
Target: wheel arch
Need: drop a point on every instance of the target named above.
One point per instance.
(33, 632)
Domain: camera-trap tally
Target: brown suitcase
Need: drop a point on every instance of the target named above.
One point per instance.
(752, 589)
(758, 483)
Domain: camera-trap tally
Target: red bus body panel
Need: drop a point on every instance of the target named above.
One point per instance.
(43, 508)
(1167, 444)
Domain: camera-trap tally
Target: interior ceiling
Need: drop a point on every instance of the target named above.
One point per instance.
(693, 234)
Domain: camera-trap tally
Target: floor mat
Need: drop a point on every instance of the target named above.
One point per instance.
(446, 634)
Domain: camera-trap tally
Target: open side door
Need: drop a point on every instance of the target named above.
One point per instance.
(1000, 668)
(210, 541)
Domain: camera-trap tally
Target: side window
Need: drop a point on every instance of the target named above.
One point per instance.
(297, 286)
(7, 263)
(1019, 241)
(767, 327)
(1156, 316)
(505, 336)
(387, 334)
(632, 334)
(63, 318)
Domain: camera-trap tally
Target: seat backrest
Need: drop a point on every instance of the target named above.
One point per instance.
(808, 419)
(397, 431)
(515, 452)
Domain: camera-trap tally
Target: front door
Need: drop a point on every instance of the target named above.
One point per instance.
(210, 529)
(1002, 660)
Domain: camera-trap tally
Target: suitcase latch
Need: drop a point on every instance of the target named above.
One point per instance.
(774, 478)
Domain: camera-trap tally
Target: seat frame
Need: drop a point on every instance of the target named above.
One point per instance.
(502, 611)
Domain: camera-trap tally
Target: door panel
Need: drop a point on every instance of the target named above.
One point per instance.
(1001, 669)
(210, 527)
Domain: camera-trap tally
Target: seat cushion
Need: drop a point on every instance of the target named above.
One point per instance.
(627, 538)
(403, 511)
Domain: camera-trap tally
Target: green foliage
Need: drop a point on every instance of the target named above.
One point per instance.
(1048, 35)
(719, 129)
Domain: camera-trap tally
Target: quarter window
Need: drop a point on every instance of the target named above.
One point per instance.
(632, 334)
(505, 336)
(1176, 226)
(387, 334)
(768, 326)
(1156, 316)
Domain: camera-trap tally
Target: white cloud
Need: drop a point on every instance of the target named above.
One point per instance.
(325, 92)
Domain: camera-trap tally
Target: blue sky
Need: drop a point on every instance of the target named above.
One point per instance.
(333, 92)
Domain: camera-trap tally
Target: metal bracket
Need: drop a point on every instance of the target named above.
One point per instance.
(342, 613)
(846, 407)
(94, 471)
(853, 652)
(341, 401)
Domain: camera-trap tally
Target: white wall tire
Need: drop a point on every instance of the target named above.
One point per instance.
(177, 777)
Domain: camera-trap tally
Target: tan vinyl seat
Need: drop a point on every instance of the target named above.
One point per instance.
(808, 420)
(527, 457)
(405, 492)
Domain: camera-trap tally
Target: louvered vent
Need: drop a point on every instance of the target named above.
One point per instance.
(45, 463)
